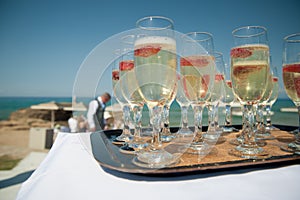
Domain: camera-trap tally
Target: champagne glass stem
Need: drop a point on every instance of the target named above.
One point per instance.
(126, 119)
(249, 134)
(228, 118)
(212, 117)
(155, 117)
(137, 115)
(298, 134)
(184, 116)
(268, 116)
(166, 121)
(198, 109)
(260, 119)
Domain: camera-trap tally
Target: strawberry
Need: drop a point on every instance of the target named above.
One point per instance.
(240, 53)
(291, 68)
(219, 77)
(244, 70)
(198, 61)
(275, 79)
(126, 65)
(146, 51)
(229, 83)
(115, 75)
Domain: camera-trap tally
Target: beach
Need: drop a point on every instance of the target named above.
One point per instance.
(17, 121)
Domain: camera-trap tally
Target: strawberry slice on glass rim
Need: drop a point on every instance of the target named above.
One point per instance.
(197, 61)
(292, 68)
(240, 53)
(115, 75)
(126, 65)
(147, 51)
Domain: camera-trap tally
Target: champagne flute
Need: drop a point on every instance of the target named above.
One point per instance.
(131, 94)
(197, 68)
(261, 128)
(228, 99)
(125, 135)
(249, 75)
(155, 69)
(269, 104)
(214, 131)
(291, 80)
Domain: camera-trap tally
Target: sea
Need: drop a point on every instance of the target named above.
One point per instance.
(11, 104)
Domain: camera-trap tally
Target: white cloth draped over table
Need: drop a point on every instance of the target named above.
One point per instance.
(70, 172)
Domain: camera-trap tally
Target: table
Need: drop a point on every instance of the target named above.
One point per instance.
(70, 172)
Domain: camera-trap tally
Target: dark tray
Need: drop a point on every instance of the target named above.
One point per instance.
(109, 156)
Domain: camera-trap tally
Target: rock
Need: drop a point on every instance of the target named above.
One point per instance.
(23, 119)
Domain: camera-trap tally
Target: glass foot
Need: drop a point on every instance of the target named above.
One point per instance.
(291, 147)
(272, 128)
(155, 159)
(184, 132)
(166, 135)
(265, 136)
(229, 129)
(167, 138)
(199, 148)
(249, 152)
(117, 142)
(211, 137)
(123, 138)
(126, 149)
(239, 140)
(137, 143)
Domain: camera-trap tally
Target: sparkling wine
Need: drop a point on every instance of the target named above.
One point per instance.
(116, 87)
(155, 61)
(128, 83)
(155, 49)
(218, 90)
(249, 72)
(291, 80)
(229, 96)
(275, 91)
(195, 71)
(268, 91)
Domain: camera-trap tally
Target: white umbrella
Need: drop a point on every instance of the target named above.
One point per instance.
(52, 106)
(75, 107)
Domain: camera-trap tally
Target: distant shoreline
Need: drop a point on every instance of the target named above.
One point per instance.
(13, 104)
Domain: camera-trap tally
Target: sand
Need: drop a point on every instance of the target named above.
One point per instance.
(14, 143)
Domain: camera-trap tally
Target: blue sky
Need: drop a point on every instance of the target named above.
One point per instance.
(44, 42)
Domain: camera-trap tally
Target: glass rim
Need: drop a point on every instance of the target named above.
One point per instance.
(125, 41)
(218, 53)
(288, 38)
(170, 26)
(234, 32)
(189, 34)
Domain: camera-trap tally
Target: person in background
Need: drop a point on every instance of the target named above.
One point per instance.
(95, 114)
(73, 124)
(82, 124)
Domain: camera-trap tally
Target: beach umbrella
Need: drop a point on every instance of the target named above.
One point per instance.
(75, 107)
(115, 111)
(52, 106)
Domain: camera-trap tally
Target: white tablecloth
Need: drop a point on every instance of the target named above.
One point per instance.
(70, 172)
